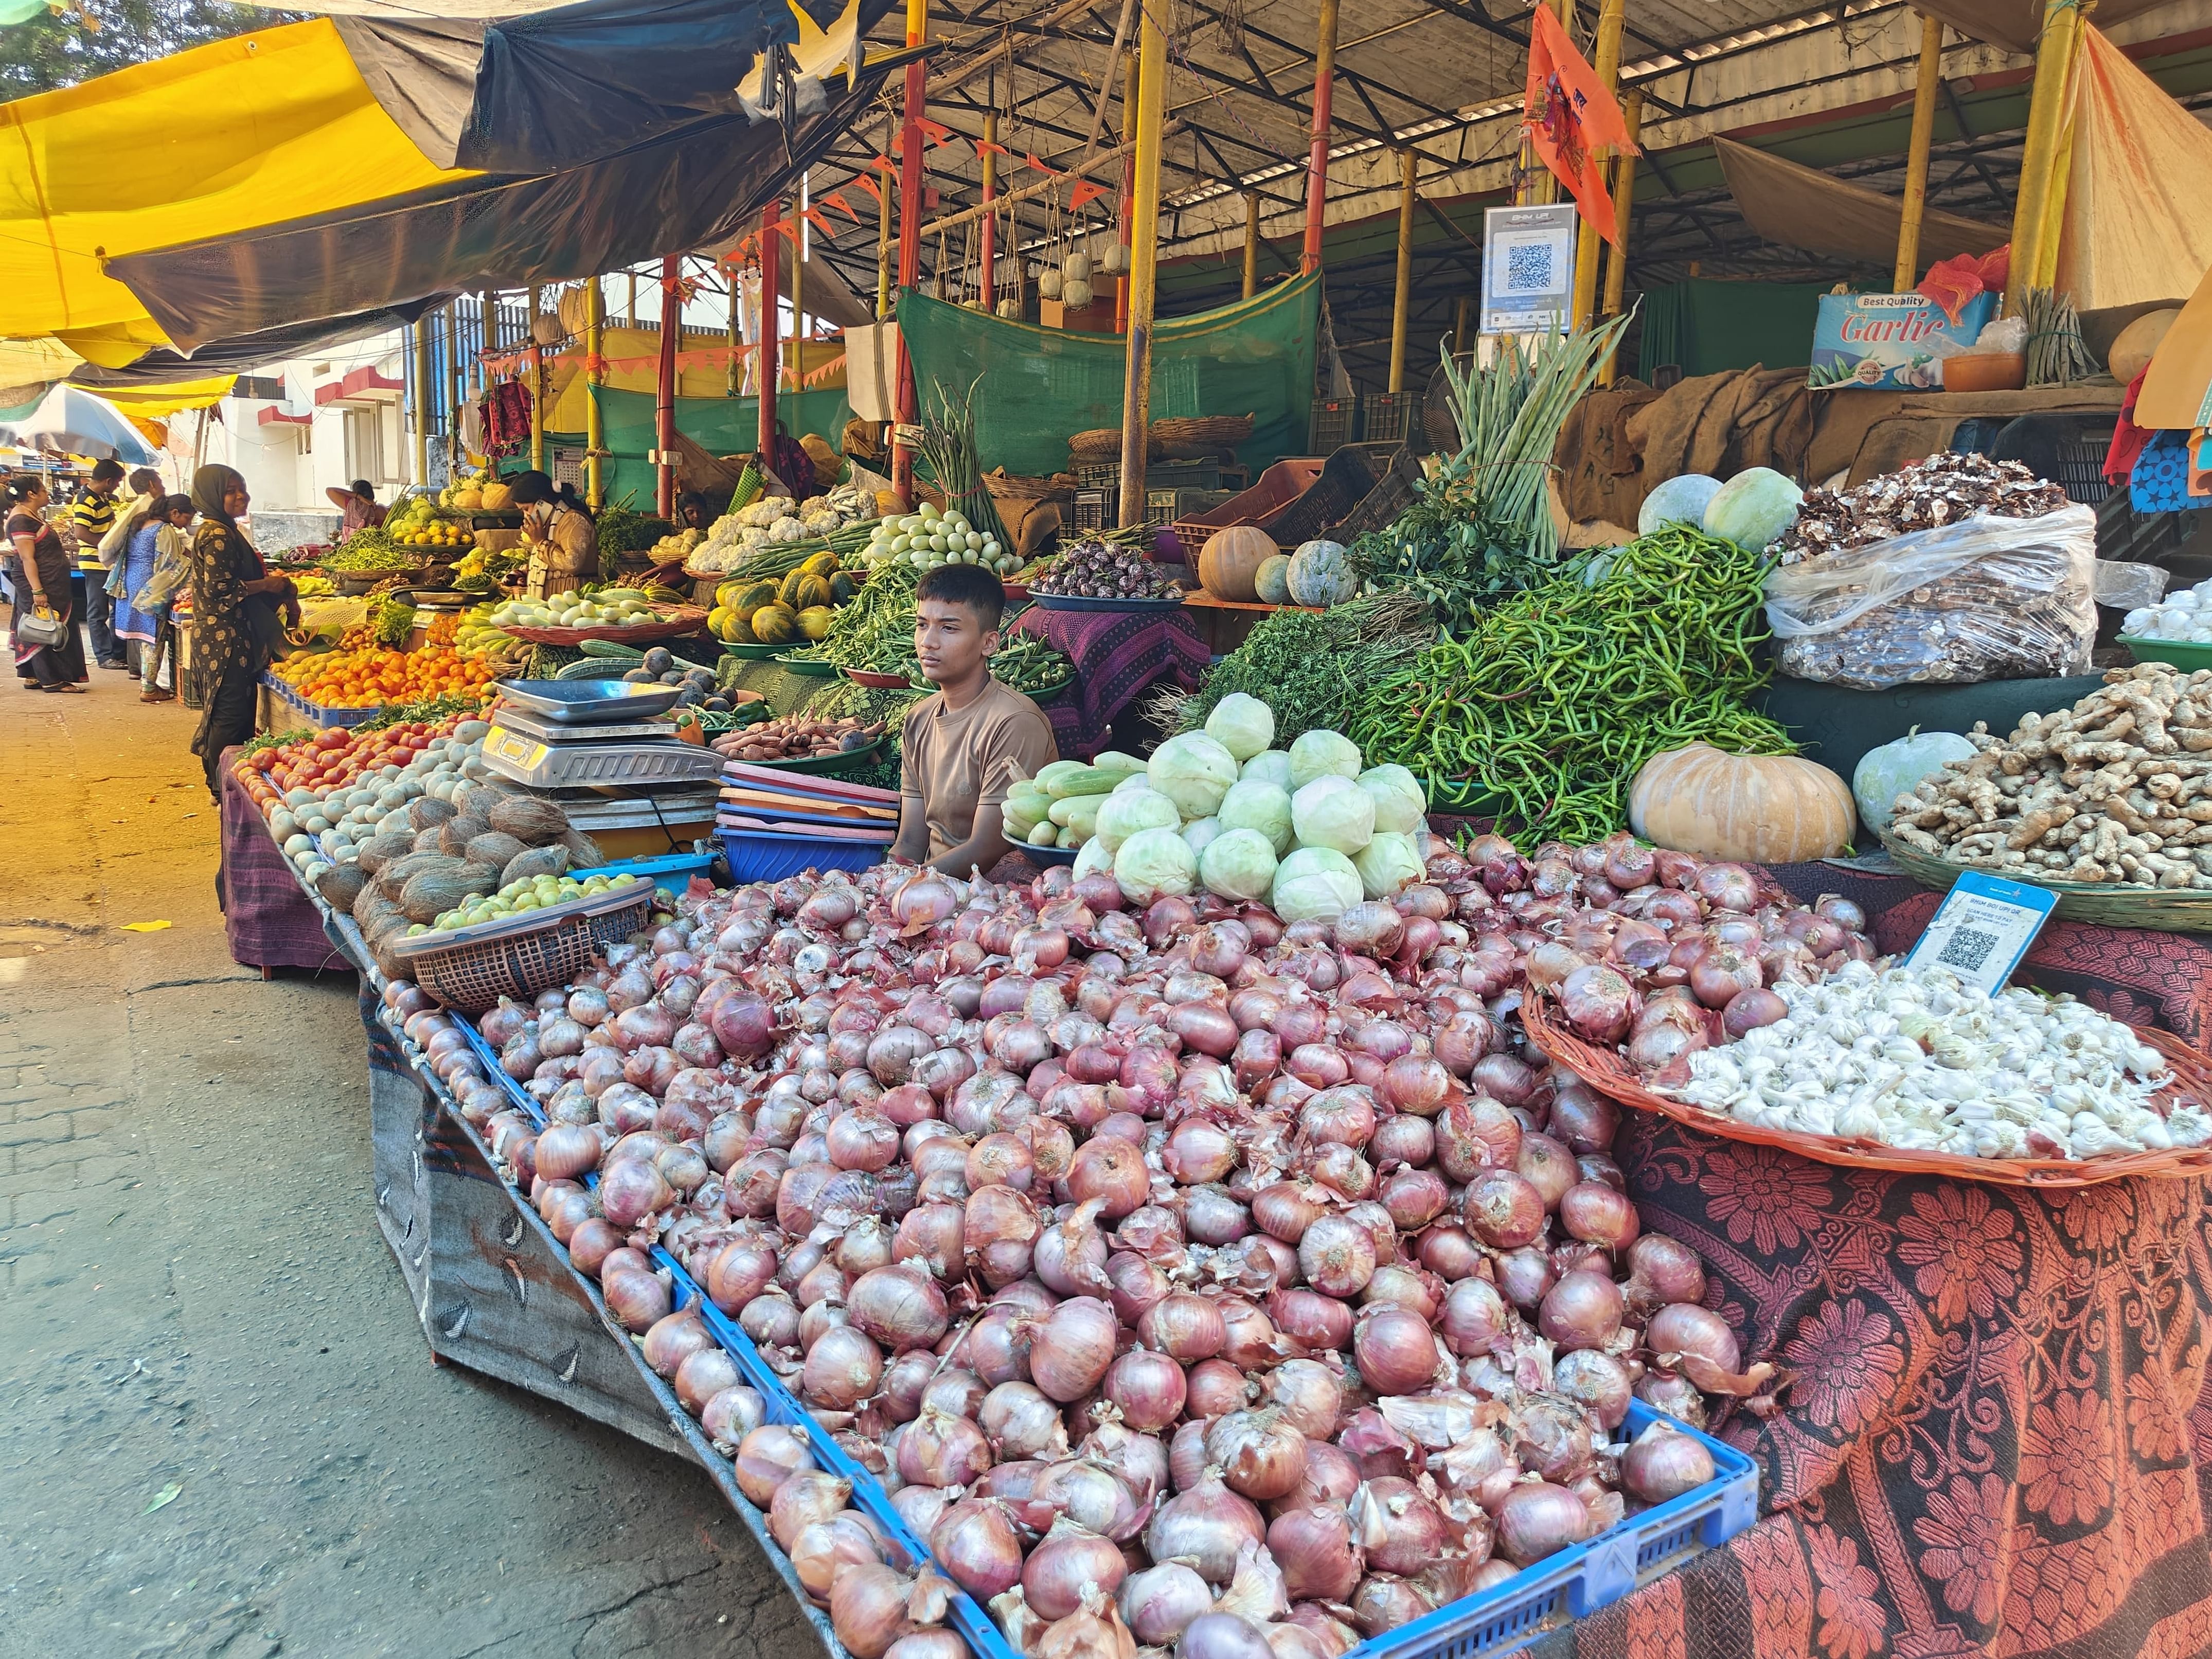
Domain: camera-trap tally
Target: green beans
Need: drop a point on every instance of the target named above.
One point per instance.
(1544, 711)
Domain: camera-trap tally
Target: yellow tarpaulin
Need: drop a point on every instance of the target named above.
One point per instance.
(246, 133)
(154, 403)
(2137, 225)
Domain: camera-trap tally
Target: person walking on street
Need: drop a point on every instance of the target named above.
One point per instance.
(359, 503)
(92, 517)
(234, 623)
(152, 571)
(38, 572)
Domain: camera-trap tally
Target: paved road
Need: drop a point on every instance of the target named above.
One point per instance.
(220, 1430)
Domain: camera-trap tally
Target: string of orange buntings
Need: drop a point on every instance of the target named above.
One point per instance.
(702, 357)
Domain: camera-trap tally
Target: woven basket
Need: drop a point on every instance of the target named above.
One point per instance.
(1101, 444)
(2163, 909)
(1606, 1072)
(474, 967)
(1194, 437)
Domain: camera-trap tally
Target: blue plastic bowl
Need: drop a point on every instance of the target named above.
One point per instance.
(757, 857)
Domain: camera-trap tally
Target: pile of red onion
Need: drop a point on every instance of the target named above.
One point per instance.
(1188, 1278)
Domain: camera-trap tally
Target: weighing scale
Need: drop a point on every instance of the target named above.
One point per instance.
(543, 754)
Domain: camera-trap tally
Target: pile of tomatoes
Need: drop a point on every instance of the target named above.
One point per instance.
(370, 677)
(334, 759)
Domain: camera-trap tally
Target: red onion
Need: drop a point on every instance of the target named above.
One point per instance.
(843, 1369)
(1072, 1349)
(636, 1300)
(1314, 1548)
(1504, 1209)
(766, 1458)
(1683, 1328)
(1205, 1524)
(730, 1415)
(974, 1545)
(1538, 1520)
(802, 1501)
(1066, 1566)
(1021, 1423)
(1583, 1310)
(1749, 1010)
(1401, 1531)
(1384, 1603)
(1260, 1454)
(672, 1339)
(1285, 1209)
(1413, 1197)
(1593, 1211)
(868, 1608)
(1331, 1478)
(1597, 1382)
(1661, 1270)
(1315, 1321)
(1222, 1636)
(1310, 1395)
(940, 1450)
(1159, 1603)
(1475, 1135)
(900, 1307)
(1112, 1172)
(1337, 1256)
(1395, 1350)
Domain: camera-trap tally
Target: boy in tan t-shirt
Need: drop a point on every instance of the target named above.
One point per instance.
(964, 745)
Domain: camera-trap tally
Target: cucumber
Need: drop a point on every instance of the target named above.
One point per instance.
(1077, 780)
(1113, 759)
(1078, 815)
(611, 651)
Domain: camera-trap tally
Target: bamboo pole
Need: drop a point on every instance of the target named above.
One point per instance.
(1401, 299)
(797, 239)
(1587, 241)
(771, 328)
(733, 380)
(455, 388)
(629, 319)
(884, 229)
(2054, 60)
(2062, 168)
(537, 385)
(1624, 202)
(595, 324)
(910, 252)
(1461, 306)
(987, 235)
(1128, 187)
(1008, 198)
(1324, 88)
(487, 315)
(663, 492)
(1144, 257)
(1251, 243)
(1924, 88)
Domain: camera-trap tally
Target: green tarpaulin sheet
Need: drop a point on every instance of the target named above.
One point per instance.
(1707, 326)
(1040, 385)
(721, 426)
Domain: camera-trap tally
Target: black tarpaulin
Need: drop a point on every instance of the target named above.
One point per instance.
(686, 190)
(244, 353)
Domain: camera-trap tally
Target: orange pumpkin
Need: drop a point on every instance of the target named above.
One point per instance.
(1230, 563)
(1765, 809)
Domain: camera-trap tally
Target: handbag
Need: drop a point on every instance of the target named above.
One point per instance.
(40, 628)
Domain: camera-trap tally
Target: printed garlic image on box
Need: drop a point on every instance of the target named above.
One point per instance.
(1891, 341)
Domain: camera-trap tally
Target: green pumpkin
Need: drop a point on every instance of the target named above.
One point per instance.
(1272, 578)
(775, 624)
(1321, 575)
(842, 590)
(752, 598)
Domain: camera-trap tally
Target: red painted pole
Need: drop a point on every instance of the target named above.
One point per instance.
(910, 258)
(1317, 160)
(771, 326)
(671, 324)
(986, 238)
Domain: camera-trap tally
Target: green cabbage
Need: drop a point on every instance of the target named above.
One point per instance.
(1333, 811)
(1092, 858)
(1269, 766)
(1256, 804)
(1155, 864)
(1386, 864)
(1237, 864)
(1317, 754)
(1313, 884)
(1124, 812)
(1243, 725)
(1201, 832)
(1194, 772)
(1401, 808)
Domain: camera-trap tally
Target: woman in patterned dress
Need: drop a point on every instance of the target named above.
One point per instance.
(230, 647)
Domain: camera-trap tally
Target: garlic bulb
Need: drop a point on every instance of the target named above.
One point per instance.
(1913, 1058)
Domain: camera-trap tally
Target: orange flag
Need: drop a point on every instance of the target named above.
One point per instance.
(1085, 193)
(1570, 118)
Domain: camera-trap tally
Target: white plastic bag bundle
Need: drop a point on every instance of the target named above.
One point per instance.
(1985, 598)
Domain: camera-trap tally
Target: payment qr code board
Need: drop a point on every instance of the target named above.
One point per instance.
(1528, 268)
(1982, 928)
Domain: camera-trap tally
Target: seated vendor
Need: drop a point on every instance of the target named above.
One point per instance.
(966, 744)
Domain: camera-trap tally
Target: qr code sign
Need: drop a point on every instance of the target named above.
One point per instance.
(1529, 268)
(1967, 948)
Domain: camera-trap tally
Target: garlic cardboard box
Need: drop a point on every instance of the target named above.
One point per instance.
(1891, 341)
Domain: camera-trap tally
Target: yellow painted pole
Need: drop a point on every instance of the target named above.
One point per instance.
(1588, 242)
(1624, 200)
(537, 385)
(630, 318)
(1401, 297)
(1251, 243)
(455, 388)
(595, 323)
(2054, 62)
(422, 402)
(1144, 261)
(2062, 168)
(1916, 157)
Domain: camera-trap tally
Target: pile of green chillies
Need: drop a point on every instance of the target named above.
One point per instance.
(1542, 714)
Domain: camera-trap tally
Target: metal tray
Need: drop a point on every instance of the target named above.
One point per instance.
(590, 703)
(1073, 602)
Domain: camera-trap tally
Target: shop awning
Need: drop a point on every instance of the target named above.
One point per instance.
(1804, 208)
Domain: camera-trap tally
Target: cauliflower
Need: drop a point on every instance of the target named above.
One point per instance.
(786, 530)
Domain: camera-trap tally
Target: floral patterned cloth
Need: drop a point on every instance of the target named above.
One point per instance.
(1998, 1441)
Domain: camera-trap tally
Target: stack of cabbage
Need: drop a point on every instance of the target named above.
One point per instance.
(1309, 830)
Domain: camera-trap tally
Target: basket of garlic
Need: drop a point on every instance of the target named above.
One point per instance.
(1907, 1070)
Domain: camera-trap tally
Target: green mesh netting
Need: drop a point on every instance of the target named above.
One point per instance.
(1040, 385)
(721, 426)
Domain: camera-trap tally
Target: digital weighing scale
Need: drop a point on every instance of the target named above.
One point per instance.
(546, 754)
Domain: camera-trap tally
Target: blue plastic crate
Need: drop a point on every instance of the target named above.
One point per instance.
(315, 713)
(672, 874)
(1502, 1621)
(755, 856)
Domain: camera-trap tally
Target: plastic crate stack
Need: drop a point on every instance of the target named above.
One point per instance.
(774, 822)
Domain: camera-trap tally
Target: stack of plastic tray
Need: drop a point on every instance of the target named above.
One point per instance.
(1569, 1585)
(774, 822)
(315, 713)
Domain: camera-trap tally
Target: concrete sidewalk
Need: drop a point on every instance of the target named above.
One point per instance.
(222, 1431)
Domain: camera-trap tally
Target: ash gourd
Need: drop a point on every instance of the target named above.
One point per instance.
(1187, 1277)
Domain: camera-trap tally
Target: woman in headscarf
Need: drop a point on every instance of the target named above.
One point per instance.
(38, 572)
(234, 602)
(563, 542)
